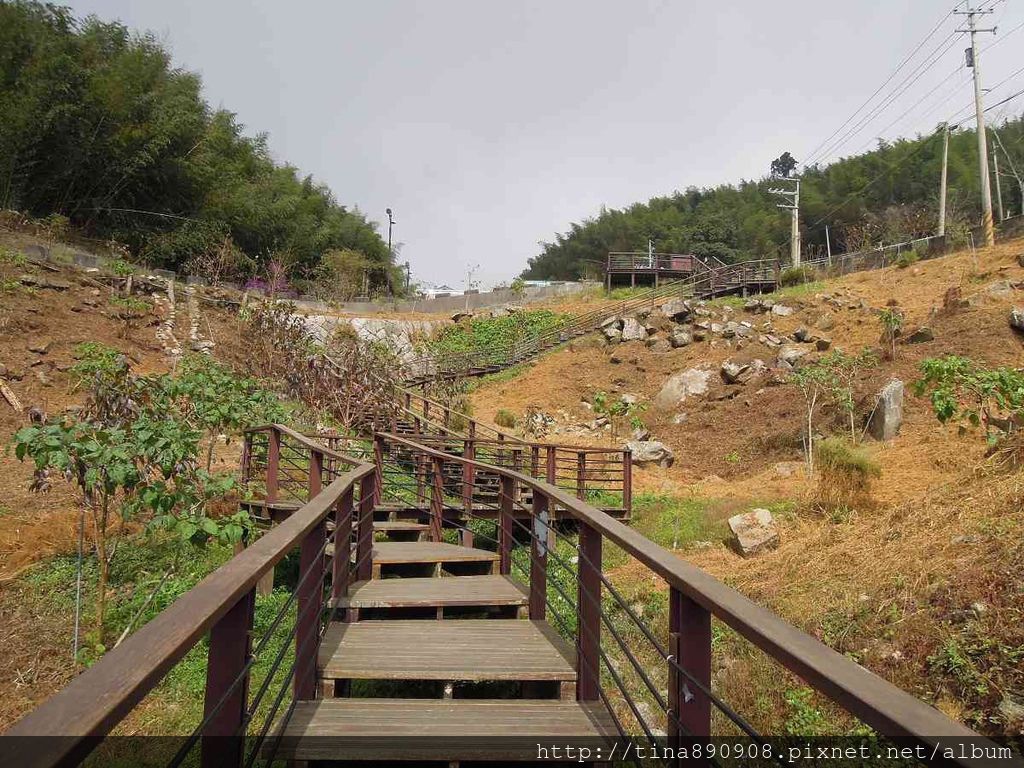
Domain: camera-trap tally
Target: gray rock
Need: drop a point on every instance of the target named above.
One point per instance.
(732, 373)
(1000, 289)
(632, 330)
(640, 434)
(651, 452)
(660, 346)
(1011, 711)
(770, 340)
(1017, 319)
(825, 322)
(40, 346)
(716, 328)
(790, 354)
(681, 385)
(677, 309)
(613, 334)
(887, 415)
(730, 330)
(823, 344)
(680, 338)
(782, 310)
(754, 531)
(612, 322)
(920, 336)
(629, 398)
(458, 317)
(657, 321)
(803, 335)
(680, 418)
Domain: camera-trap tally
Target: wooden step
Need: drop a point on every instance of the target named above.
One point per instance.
(462, 591)
(427, 558)
(466, 650)
(444, 730)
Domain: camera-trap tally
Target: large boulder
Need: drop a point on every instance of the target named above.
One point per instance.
(612, 322)
(888, 413)
(1017, 319)
(681, 385)
(612, 333)
(782, 310)
(680, 338)
(677, 309)
(650, 452)
(632, 330)
(754, 531)
(657, 321)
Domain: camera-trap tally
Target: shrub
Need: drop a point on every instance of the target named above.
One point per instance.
(796, 276)
(845, 473)
(505, 418)
(891, 319)
(906, 258)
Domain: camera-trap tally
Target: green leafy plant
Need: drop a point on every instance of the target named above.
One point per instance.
(121, 268)
(618, 411)
(891, 319)
(846, 368)
(129, 310)
(518, 287)
(796, 276)
(972, 394)
(906, 258)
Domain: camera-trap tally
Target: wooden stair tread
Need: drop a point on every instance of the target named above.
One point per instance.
(399, 525)
(465, 649)
(398, 552)
(426, 729)
(434, 592)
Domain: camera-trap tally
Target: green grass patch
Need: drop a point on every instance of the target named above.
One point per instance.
(494, 334)
(675, 522)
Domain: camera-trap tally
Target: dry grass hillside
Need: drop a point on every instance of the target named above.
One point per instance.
(924, 585)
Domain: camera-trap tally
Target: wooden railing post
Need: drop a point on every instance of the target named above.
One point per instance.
(534, 460)
(505, 523)
(378, 459)
(266, 583)
(581, 475)
(230, 646)
(342, 561)
(273, 460)
(308, 602)
(364, 535)
(468, 453)
(436, 498)
(539, 558)
(421, 478)
(627, 482)
(588, 617)
(246, 465)
(551, 468)
(690, 646)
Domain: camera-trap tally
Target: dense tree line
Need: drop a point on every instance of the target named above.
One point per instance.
(885, 195)
(99, 128)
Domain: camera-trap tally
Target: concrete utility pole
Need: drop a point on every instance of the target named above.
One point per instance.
(793, 196)
(1013, 167)
(972, 62)
(942, 183)
(999, 185)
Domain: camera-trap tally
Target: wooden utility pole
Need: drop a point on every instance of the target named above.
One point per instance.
(999, 185)
(979, 111)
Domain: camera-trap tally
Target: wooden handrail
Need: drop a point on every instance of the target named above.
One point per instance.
(886, 708)
(307, 441)
(77, 717)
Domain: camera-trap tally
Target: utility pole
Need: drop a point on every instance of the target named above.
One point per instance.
(1013, 167)
(828, 245)
(942, 183)
(999, 184)
(391, 254)
(973, 63)
(793, 204)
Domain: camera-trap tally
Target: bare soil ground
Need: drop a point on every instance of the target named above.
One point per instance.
(925, 586)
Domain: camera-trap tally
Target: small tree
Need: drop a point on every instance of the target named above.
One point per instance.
(129, 310)
(815, 381)
(845, 369)
(891, 319)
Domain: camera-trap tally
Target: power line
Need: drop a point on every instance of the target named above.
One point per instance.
(902, 88)
(878, 90)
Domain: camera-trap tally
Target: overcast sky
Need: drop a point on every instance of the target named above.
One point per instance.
(489, 126)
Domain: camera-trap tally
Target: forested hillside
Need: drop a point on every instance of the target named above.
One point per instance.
(99, 130)
(881, 196)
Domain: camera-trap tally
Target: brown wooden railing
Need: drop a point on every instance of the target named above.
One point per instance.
(75, 720)
(680, 684)
(678, 680)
